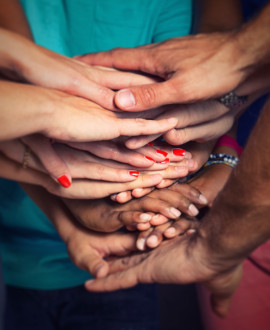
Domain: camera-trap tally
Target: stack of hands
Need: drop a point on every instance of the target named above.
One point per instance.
(106, 172)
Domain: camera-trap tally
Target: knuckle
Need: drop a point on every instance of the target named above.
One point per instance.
(147, 96)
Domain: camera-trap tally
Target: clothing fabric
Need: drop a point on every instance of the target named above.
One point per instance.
(33, 254)
(77, 309)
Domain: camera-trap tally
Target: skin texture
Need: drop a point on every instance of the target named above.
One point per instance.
(213, 255)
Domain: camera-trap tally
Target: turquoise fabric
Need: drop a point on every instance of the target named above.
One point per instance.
(33, 254)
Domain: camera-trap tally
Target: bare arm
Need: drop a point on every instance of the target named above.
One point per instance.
(13, 18)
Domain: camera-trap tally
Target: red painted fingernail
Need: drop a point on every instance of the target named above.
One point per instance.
(150, 144)
(149, 158)
(163, 153)
(179, 152)
(134, 173)
(64, 181)
(165, 161)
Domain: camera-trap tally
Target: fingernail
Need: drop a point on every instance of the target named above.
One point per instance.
(193, 209)
(150, 144)
(88, 282)
(113, 197)
(141, 244)
(64, 181)
(163, 153)
(134, 173)
(203, 199)
(126, 98)
(170, 231)
(191, 231)
(174, 212)
(149, 158)
(152, 240)
(179, 152)
(145, 217)
(165, 161)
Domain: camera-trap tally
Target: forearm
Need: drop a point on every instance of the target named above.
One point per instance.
(253, 41)
(239, 219)
(13, 18)
(219, 15)
(54, 209)
(25, 109)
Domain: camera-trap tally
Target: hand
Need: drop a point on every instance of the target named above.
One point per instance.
(86, 249)
(181, 260)
(202, 121)
(183, 68)
(63, 163)
(65, 117)
(152, 237)
(45, 68)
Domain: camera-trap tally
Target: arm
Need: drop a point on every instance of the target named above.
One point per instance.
(237, 223)
(13, 18)
(233, 55)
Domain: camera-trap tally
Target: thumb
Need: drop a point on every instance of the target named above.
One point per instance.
(221, 304)
(148, 96)
(93, 263)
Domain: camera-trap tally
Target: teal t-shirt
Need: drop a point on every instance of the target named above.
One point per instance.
(33, 254)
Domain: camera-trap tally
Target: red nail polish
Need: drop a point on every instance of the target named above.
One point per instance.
(150, 144)
(165, 161)
(149, 158)
(64, 181)
(163, 153)
(179, 152)
(134, 173)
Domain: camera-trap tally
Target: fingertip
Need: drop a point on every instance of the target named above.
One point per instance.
(101, 270)
(64, 181)
(124, 99)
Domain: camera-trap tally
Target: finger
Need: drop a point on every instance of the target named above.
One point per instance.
(122, 197)
(140, 141)
(84, 189)
(176, 200)
(15, 149)
(193, 194)
(141, 240)
(115, 79)
(204, 132)
(113, 151)
(138, 126)
(120, 58)
(134, 217)
(140, 192)
(165, 183)
(179, 227)
(148, 96)
(90, 261)
(51, 161)
(95, 171)
(116, 281)
(159, 207)
(156, 237)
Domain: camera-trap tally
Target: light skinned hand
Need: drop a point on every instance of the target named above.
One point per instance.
(52, 70)
(182, 68)
(80, 188)
(202, 122)
(59, 160)
(65, 117)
